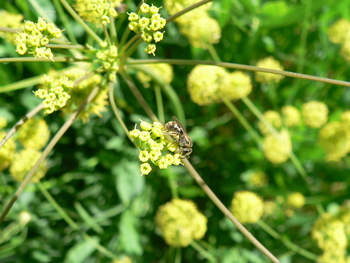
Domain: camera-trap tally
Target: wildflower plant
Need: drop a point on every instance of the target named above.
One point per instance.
(77, 176)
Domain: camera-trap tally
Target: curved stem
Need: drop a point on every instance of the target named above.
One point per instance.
(287, 242)
(19, 124)
(227, 212)
(241, 67)
(46, 152)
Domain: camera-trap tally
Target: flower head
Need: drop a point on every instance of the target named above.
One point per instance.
(315, 114)
(273, 118)
(180, 222)
(247, 207)
(277, 150)
(270, 63)
(291, 116)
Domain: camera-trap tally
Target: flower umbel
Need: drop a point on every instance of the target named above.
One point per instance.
(154, 147)
(34, 36)
(148, 23)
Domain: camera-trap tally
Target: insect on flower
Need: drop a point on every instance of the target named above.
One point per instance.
(178, 132)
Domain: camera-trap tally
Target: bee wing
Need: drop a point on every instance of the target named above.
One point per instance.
(179, 123)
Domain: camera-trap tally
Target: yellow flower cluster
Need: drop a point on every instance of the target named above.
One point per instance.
(35, 36)
(55, 95)
(197, 25)
(34, 134)
(296, 200)
(247, 207)
(123, 260)
(274, 118)
(334, 138)
(108, 57)
(7, 152)
(180, 222)
(12, 21)
(339, 33)
(269, 63)
(80, 92)
(315, 114)
(291, 116)
(277, 150)
(154, 147)
(329, 233)
(254, 179)
(210, 84)
(163, 70)
(148, 23)
(23, 161)
(97, 11)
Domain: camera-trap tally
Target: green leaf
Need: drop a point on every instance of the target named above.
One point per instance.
(129, 181)
(81, 251)
(129, 236)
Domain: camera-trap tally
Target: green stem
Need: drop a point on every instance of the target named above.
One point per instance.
(227, 212)
(241, 67)
(203, 252)
(46, 152)
(159, 100)
(213, 53)
(244, 122)
(287, 242)
(71, 223)
(33, 59)
(178, 252)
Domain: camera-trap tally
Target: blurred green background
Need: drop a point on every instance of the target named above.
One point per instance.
(94, 169)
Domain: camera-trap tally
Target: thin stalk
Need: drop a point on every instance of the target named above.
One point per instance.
(241, 67)
(244, 122)
(106, 33)
(138, 95)
(203, 252)
(227, 212)
(19, 124)
(113, 31)
(71, 223)
(287, 242)
(46, 152)
(159, 100)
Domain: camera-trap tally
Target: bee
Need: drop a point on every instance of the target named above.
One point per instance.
(178, 132)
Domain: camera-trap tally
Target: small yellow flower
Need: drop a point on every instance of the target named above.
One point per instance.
(143, 156)
(291, 116)
(151, 49)
(145, 168)
(296, 200)
(144, 136)
(273, 118)
(162, 163)
(34, 134)
(145, 126)
(7, 152)
(277, 150)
